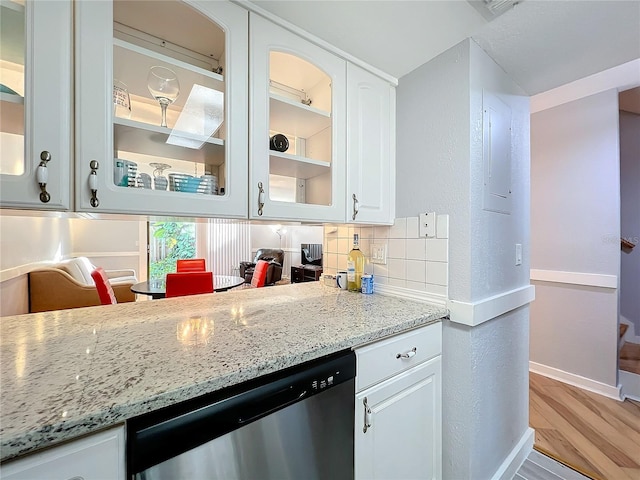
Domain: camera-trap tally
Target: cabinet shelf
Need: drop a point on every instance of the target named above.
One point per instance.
(296, 166)
(132, 64)
(137, 137)
(290, 117)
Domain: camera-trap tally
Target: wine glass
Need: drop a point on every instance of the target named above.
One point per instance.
(160, 182)
(164, 87)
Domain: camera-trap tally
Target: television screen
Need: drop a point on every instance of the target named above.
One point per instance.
(311, 253)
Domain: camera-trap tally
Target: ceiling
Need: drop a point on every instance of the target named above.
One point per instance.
(541, 44)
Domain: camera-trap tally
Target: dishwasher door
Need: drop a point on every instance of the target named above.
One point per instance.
(298, 425)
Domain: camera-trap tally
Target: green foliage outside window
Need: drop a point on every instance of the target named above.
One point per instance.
(170, 241)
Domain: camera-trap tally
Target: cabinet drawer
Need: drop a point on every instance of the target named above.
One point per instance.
(386, 358)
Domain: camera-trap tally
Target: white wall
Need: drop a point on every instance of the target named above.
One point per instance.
(575, 204)
(439, 168)
(630, 216)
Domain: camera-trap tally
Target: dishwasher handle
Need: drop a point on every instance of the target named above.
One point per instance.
(278, 401)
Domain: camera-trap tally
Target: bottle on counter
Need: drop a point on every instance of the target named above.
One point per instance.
(355, 267)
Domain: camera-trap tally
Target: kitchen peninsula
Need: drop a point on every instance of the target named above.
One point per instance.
(69, 373)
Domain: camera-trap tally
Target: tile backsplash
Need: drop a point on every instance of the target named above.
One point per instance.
(413, 262)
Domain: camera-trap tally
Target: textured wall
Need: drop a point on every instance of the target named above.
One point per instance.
(630, 216)
(575, 227)
(432, 157)
(439, 158)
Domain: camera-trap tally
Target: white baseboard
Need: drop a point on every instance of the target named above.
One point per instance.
(574, 278)
(516, 458)
(577, 381)
(630, 385)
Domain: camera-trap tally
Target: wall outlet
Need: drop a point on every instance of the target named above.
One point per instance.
(427, 224)
(518, 254)
(379, 253)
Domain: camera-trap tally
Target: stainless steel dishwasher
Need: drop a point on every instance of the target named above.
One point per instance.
(295, 424)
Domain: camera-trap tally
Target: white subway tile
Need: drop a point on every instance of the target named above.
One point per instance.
(396, 248)
(399, 228)
(353, 230)
(397, 282)
(380, 232)
(416, 271)
(442, 226)
(332, 260)
(416, 249)
(342, 261)
(437, 273)
(366, 233)
(365, 246)
(397, 268)
(332, 245)
(438, 249)
(343, 231)
(380, 281)
(343, 246)
(380, 270)
(437, 289)
(412, 227)
(418, 286)
(368, 267)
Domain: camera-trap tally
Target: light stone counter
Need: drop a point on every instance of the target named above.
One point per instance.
(72, 372)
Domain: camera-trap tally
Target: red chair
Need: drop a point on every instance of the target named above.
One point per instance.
(260, 274)
(105, 292)
(191, 265)
(188, 283)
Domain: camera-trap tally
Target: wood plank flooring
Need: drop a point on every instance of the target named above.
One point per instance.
(598, 436)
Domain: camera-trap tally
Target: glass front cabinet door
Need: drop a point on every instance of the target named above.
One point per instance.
(161, 108)
(297, 115)
(35, 104)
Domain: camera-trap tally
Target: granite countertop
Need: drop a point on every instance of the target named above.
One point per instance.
(71, 372)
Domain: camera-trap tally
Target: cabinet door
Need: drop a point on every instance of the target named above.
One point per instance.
(97, 457)
(370, 148)
(35, 104)
(404, 417)
(129, 159)
(297, 113)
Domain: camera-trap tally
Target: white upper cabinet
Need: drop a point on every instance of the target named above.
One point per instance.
(297, 115)
(161, 108)
(371, 181)
(35, 104)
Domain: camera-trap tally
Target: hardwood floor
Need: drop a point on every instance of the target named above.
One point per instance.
(598, 436)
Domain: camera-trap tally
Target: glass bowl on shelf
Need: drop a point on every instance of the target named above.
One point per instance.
(160, 182)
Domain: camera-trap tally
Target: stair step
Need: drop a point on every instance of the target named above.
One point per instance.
(623, 329)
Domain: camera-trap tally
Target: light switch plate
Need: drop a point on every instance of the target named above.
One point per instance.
(379, 253)
(518, 254)
(427, 224)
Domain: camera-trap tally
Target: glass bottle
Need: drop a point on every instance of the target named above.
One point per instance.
(355, 267)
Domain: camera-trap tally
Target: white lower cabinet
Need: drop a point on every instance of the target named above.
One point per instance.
(398, 420)
(97, 457)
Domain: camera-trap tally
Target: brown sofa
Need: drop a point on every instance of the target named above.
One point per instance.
(68, 284)
(274, 256)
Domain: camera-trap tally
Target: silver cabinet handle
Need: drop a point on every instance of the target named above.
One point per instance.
(42, 176)
(260, 198)
(408, 354)
(93, 183)
(367, 416)
(356, 206)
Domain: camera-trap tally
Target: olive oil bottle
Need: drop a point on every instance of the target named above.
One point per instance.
(355, 267)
